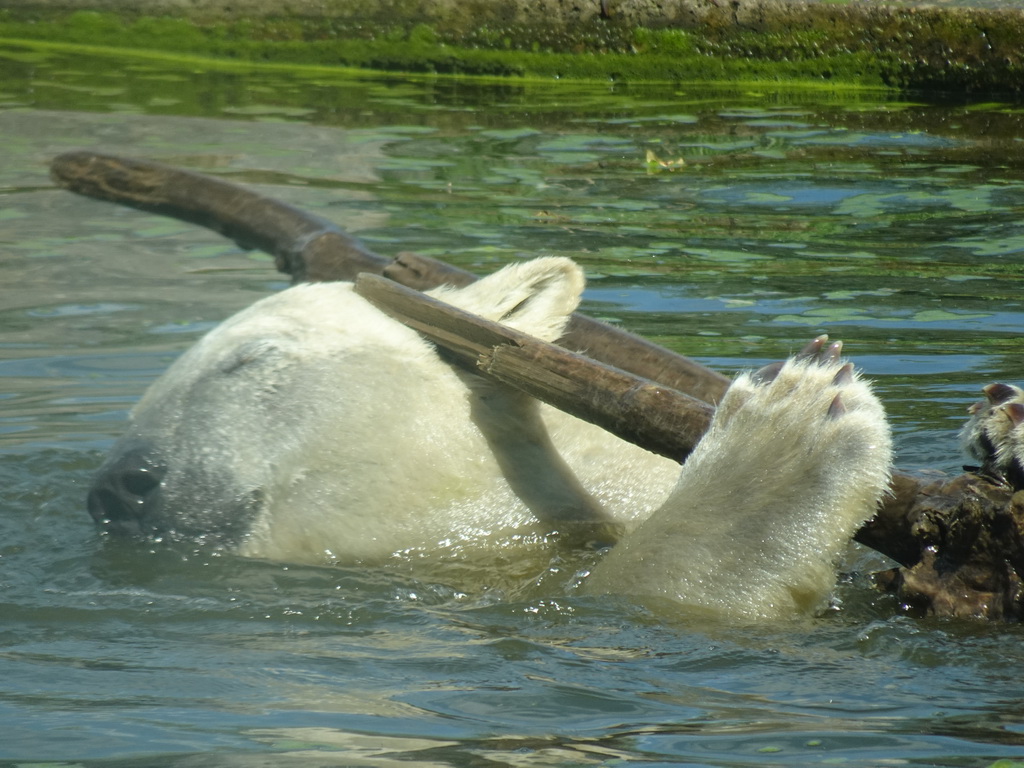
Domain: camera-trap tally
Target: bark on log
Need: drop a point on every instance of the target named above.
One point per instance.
(305, 246)
(960, 543)
(660, 419)
(969, 538)
(312, 249)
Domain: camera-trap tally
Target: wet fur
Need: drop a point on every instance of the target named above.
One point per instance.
(796, 459)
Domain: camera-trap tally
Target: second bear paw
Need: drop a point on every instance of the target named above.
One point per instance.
(994, 434)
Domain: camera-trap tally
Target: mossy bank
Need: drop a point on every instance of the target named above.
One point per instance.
(955, 51)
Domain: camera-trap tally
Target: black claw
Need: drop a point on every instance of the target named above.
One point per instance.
(843, 376)
(1015, 474)
(999, 393)
(813, 350)
(766, 374)
(834, 352)
(1015, 411)
(837, 408)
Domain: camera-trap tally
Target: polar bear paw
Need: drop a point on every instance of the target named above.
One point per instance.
(810, 428)
(815, 372)
(994, 434)
(797, 457)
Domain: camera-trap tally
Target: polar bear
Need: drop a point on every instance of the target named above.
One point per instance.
(312, 427)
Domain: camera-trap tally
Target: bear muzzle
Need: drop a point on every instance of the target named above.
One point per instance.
(125, 496)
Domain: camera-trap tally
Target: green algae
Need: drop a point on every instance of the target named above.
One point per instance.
(957, 51)
(631, 55)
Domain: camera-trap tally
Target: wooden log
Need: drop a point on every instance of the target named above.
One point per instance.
(598, 340)
(968, 535)
(312, 249)
(307, 247)
(657, 418)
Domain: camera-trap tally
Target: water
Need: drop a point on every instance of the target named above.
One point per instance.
(894, 225)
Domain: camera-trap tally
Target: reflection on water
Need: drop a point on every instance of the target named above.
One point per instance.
(893, 225)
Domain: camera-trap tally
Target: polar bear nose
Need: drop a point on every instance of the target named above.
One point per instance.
(125, 495)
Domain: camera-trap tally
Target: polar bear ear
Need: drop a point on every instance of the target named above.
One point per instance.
(535, 297)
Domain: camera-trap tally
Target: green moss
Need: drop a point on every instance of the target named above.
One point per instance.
(666, 42)
(824, 49)
(86, 26)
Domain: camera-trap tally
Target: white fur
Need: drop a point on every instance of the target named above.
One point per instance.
(354, 442)
(361, 442)
(767, 501)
